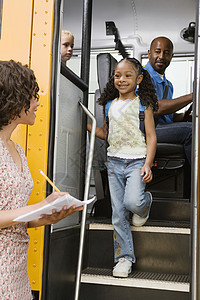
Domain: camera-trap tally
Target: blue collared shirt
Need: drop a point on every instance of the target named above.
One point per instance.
(159, 85)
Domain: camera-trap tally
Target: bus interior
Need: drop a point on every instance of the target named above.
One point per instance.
(114, 29)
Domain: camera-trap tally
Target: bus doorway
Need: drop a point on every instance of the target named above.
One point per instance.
(162, 246)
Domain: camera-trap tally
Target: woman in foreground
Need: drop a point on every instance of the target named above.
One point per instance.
(18, 105)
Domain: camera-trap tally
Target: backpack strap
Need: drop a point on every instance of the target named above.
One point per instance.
(107, 118)
(141, 117)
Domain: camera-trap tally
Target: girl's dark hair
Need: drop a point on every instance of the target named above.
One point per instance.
(17, 87)
(146, 90)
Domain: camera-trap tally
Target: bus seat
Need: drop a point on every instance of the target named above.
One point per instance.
(169, 156)
(105, 65)
(171, 173)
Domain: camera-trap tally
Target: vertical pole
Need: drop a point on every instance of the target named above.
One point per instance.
(86, 41)
(55, 77)
(85, 68)
(84, 184)
(86, 193)
(195, 213)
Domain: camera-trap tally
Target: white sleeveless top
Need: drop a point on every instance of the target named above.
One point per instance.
(125, 137)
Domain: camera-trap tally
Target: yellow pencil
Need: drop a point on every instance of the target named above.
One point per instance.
(51, 183)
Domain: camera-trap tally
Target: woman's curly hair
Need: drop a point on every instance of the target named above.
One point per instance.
(146, 90)
(17, 87)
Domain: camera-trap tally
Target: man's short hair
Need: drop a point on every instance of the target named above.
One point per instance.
(162, 37)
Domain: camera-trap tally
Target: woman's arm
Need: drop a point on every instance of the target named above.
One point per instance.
(151, 142)
(101, 132)
(7, 216)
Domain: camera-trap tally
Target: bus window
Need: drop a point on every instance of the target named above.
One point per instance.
(68, 38)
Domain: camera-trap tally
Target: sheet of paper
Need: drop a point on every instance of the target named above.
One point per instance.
(66, 200)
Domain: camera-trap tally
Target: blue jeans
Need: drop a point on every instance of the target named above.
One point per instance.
(176, 133)
(127, 195)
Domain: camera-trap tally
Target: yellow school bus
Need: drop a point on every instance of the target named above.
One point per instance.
(26, 31)
(167, 249)
(30, 33)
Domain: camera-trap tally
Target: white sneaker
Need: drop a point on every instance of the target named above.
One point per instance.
(123, 268)
(139, 221)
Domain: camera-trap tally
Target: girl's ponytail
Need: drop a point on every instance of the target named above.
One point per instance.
(109, 93)
(147, 92)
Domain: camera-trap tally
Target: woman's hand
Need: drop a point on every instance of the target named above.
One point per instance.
(58, 216)
(55, 216)
(146, 173)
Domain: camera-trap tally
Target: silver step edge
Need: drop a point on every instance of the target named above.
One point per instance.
(137, 283)
(175, 230)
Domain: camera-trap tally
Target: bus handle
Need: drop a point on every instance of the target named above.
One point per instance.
(86, 194)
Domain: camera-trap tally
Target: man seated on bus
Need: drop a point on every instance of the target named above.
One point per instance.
(170, 128)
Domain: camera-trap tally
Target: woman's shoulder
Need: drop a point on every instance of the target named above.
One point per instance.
(3, 155)
(19, 148)
(2, 147)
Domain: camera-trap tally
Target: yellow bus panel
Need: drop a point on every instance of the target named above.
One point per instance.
(26, 36)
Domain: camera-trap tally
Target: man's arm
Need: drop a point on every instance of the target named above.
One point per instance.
(168, 106)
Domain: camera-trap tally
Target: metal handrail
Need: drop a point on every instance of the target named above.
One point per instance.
(86, 193)
(195, 246)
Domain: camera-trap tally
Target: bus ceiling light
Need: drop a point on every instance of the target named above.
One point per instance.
(188, 33)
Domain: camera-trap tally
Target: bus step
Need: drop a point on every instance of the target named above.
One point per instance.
(137, 279)
(138, 284)
(158, 249)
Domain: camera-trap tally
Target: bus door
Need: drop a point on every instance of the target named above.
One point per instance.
(66, 165)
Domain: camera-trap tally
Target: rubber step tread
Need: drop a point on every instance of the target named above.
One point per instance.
(175, 282)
